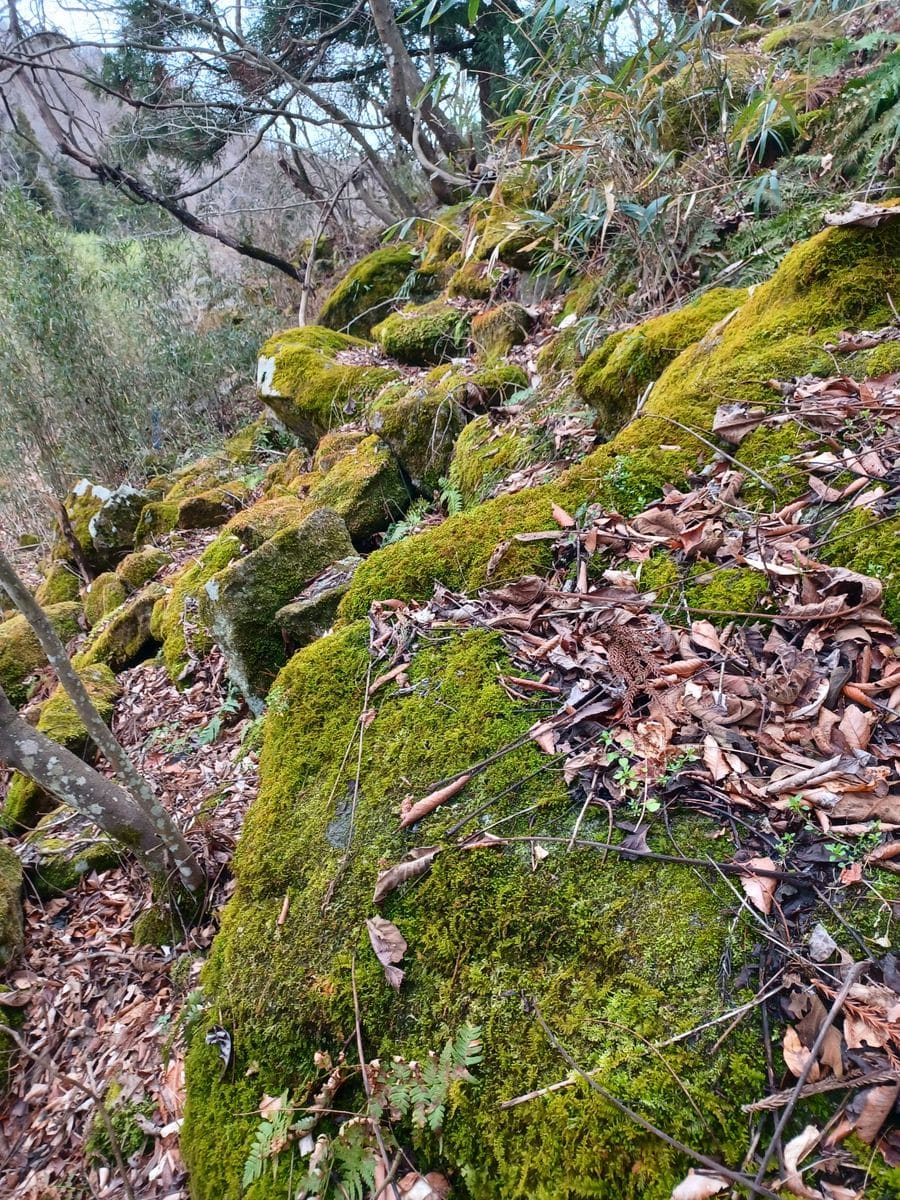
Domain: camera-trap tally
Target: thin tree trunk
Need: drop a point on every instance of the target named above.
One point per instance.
(97, 798)
(166, 835)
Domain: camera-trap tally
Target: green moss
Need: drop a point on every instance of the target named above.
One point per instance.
(262, 520)
(104, 593)
(25, 801)
(370, 289)
(59, 585)
(81, 504)
(616, 374)
(11, 920)
(62, 850)
(862, 543)
(483, 456)
(158, 518)
(334, 446)
(502, 229)
(202, 475)
(560, 354)
(124, 635)
(419, 424)
(772, 453)
(20, 651)
(154, 927)
(310, 389)
(426, 335)
(800, 35)
(444, 242)
(881, 360)
(139, 568)
(498, 329)
(364, 487)
(176, 620)
(611, 955)
(131, 1137)
(717, 593)
(837, 280)
(583, 297)
(474, 281)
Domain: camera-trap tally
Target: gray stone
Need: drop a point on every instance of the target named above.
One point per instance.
(312, 614)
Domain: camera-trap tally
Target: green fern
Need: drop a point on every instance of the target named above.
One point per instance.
(867, 119)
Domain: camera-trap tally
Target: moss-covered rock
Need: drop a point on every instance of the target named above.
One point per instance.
(113, 525)
(25, 801)
(370, 289)
(82, 504)
(63, 849)
(139, 567)
(421, 337)
(498, 329)
(244, 597)
(201, 510)
(124, 1113)
(123, 637)
(802, 36)
(312, 614)
(11, 921)
(20, 651)
(484, 455)
(60, 583)
(336, 445)
(256, 524)
(420, 425)
(102, 595)
(177, 620)
(837, 280)
(302, 379)
(616, 374)
(614, 956)
(364, 487)
(475, 281)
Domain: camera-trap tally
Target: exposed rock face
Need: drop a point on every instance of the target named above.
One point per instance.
(113, 525)
(312, 614)
(242, 599)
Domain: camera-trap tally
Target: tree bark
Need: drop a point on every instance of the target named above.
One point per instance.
(97, 798)
(74, 786)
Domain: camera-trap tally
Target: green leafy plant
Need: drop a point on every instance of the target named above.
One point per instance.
(341, 1159)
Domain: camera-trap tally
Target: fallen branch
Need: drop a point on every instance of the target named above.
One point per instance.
(833, 1084)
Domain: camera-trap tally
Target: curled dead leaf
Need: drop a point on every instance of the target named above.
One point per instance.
(416, 863)
(698, 1186)
(389, 945)
(760, 889)
(432, 801)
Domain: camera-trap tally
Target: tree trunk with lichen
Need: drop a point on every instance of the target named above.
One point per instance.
(130, 814)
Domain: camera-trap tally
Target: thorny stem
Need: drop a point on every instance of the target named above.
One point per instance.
(47, 1063)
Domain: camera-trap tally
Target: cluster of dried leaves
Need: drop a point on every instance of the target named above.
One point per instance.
(98, 1009)
(780, 723)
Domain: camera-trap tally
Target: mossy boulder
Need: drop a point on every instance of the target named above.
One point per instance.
(25, 801)
(801, 36)
(113, 525)
(242, 599)
(484, 455)
(82, 504)
(420, 425)
(102, 595)
(301, 377)
(178, 619)
(424, 336)
(336, 445)
(123, 638)
(256, 524)
(840, 279)
(370, 289)
(615, 375)
(498, 329)
(475, 281)
(20, 651)
(63, 849)
(312, 614)
(366, 488)
(11, 920)
(202, 510)
(60, 583)
(615, 955)
(141, 566)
